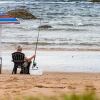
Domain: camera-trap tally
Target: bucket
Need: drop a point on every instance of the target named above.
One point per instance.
(36, 71)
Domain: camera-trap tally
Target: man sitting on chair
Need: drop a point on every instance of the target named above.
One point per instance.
(20, 60)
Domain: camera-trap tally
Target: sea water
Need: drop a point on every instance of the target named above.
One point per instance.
(74, 24)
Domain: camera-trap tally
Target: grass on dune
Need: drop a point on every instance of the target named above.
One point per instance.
(88, 95)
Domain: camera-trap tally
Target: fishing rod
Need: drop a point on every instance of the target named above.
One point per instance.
(34, 63)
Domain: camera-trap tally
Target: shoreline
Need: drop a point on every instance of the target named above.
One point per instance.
(52, 49)
(6, 47)
(60, 61)
(9, 72)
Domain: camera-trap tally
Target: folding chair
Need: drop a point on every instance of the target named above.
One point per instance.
(18, 59)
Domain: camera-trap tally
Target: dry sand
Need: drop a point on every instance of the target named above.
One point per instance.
(48, 84)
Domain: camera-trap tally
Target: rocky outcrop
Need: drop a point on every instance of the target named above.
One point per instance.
(21, 13)
(95, 0)
(45, 26)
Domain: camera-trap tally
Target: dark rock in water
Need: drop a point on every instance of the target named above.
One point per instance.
(75, 0)
(21, 13)
(95, 0)
(45, 26)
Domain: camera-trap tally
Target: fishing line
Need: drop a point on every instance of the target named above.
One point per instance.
(38, 35)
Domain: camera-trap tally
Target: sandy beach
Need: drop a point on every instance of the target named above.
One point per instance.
(50, 83)
(83, 64)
